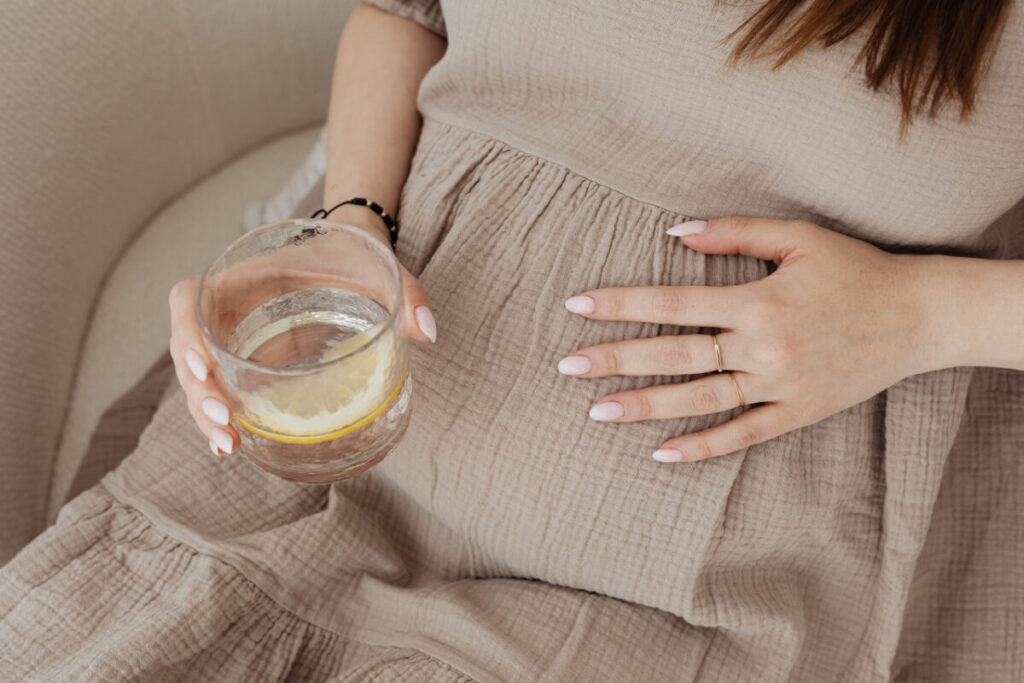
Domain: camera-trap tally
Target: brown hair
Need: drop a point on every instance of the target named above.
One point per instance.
(932, 50)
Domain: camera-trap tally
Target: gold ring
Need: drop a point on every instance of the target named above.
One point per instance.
(718, 352)
(739, 392)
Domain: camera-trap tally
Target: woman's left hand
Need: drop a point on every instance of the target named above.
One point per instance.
(837, 322)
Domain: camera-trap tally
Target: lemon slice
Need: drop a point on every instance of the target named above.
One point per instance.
(328, 403)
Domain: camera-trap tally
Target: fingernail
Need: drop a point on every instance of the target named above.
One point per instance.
(687, 228)
(609, 410)
(215, 410)
(425, 319)
(222, 439)
(580, 304)
(574, 365)
(196, 365)
(213, 447)
(668, 455)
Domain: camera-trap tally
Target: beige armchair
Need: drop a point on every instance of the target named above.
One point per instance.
(133, 137)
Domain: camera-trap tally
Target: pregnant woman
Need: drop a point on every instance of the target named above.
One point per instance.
(718, 377)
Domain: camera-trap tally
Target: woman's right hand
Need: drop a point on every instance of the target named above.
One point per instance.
(192, 361)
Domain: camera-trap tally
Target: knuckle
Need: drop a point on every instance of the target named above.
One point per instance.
(734, 223)
(668, 302)
(673, 355)
(611, 304)
(180, 296)
(704, 400)
(742, 223)
(702, 450)
(748, 437)
(610, 360)
(642, 407)
(177, 292)
(724, 223)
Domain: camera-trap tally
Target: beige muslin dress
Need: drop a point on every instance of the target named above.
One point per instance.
(511, 538)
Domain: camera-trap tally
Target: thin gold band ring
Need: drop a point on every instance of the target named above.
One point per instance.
(739, 392)
(718, 352)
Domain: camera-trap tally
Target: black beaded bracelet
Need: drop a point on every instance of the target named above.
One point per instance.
(372, 206)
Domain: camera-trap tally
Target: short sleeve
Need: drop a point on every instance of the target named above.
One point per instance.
(426, 13)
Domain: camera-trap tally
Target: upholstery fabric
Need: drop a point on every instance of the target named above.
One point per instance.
(109, 112)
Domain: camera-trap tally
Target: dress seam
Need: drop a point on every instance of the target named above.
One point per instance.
(487, 137)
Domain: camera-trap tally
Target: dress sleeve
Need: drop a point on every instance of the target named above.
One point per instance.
(426, 13)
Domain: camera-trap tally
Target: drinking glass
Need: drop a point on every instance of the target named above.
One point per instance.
(304, 319)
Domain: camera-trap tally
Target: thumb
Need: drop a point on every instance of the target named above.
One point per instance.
(419, 321)
(763, 238)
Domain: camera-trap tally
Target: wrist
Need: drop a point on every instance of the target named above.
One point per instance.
(361, 217)
(955, 296)
(937, 327)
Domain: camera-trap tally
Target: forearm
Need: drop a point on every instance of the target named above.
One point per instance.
(372, 124)
(977, 309)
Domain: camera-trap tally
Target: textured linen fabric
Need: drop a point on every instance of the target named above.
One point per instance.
(121, 425)
(510, 538)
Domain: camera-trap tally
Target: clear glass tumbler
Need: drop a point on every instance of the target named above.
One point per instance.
(304, 319)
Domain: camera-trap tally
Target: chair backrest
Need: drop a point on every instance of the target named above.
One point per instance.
(108, 110)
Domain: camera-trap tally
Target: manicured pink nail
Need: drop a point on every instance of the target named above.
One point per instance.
(222, 440)
(580, 304)
(574, 365)
(215, 410)
(213, 447)
(668, 455)
(609, 410)
(687, 228)
(196, 365)
(425, 319)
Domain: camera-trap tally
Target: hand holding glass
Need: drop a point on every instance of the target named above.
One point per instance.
(304, 320)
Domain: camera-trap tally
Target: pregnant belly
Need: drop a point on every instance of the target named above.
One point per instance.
(500, 447)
